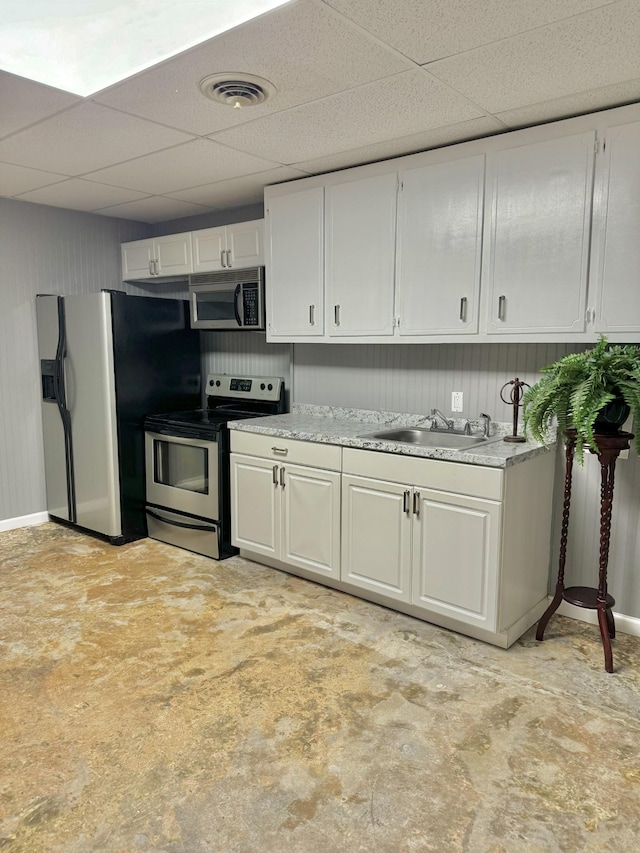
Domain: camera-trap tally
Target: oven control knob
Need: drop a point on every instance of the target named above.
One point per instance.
(211, 382)
(218, 383)
(262, 386)
(270, 387)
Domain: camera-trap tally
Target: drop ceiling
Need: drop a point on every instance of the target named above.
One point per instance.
(356, 81)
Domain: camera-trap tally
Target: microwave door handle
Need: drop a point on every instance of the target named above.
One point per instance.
(236, 300)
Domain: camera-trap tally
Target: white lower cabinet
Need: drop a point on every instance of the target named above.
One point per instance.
(463, 546)
(282, 510)
(435, 550)
(456, 553)
(376, 536)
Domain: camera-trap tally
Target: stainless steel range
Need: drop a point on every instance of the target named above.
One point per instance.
(187, 463)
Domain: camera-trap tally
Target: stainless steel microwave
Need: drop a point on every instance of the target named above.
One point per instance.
(233, 299)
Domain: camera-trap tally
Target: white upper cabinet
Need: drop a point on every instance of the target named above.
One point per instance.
(360, 242)
(157, 256)
(208, 250)
(614, 299)
(295, 263)
(536, 242)
(228, 247)
(440, 247)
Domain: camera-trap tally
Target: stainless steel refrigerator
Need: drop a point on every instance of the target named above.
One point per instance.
(108, 359)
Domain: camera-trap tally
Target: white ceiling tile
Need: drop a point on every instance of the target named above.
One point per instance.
(425, 30)
(477, 127)
(154, 209)
(85, 138)
(77, 194)
(18, 179)
(25, 102)
(305, 49)
(189, 165)
(571, 105)
(397, 106)
(599, 46)
(237, 191)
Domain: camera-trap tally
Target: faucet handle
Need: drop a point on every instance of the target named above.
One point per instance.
(487, 423)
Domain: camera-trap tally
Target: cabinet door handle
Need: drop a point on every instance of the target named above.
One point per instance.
(336, 314)
(154, 267)
(222, 263)
(282, 476)
(463, 308)
(405, 502)
(312, 315)
(229, 264)
(502, 302)
(416, 503)
(275, 475)
(283, 450)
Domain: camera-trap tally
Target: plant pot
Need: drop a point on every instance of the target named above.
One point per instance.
(611, 417)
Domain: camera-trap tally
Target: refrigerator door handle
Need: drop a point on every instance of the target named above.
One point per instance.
(65, 417)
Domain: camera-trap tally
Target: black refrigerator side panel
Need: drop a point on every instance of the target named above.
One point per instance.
(157, 369)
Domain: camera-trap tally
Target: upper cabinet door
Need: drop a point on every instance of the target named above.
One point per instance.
(245, 244)
(537, 236)
(616, 255)
(173, 254)
(209, 248)
(360, 255)
(137, 258)
(294, 264)
(440, 247)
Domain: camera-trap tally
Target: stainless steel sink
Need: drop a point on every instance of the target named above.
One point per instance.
(428, 437)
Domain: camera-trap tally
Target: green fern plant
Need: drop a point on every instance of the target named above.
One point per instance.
(575, 389)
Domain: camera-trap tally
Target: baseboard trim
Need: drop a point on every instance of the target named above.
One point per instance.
(23, 521)
(624, 624)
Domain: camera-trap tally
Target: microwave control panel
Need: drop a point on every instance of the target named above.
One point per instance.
(250, 305)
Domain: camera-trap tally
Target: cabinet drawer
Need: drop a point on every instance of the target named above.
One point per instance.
(311, 453)
(472, 480)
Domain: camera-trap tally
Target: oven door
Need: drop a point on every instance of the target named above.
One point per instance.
(182, 474)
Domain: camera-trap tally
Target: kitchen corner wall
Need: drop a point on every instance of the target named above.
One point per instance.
(42, 250)
(416, 378)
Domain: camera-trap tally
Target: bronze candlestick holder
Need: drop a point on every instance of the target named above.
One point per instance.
(515, 398)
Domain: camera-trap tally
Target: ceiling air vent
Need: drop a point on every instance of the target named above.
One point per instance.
(236, 90)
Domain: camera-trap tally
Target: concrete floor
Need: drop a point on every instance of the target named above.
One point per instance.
(154, 700)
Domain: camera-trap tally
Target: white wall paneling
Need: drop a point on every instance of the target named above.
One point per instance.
(43, 250)
(245, 353)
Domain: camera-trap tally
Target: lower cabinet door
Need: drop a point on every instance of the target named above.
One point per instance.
(311, 519)
(456, 553)
(376, 536)
(255, 505)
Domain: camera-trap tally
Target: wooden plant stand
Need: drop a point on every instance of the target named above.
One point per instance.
(598, 599)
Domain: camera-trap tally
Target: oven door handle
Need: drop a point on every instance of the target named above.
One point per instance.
(205, 527)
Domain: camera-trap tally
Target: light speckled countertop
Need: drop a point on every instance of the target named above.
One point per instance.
(346, 427)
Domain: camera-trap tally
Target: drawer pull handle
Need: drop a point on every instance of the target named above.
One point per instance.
(416, 503)
(275, 475)
(283, 450)
(282, 476)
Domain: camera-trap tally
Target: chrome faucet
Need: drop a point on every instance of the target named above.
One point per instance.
(487, 424)
(436, 413)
